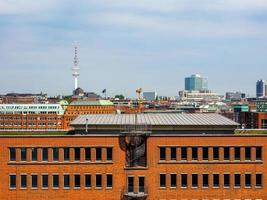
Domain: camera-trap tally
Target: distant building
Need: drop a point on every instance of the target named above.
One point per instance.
(261, 105)
(196, 96)
(150, 96)
(261, 88)
(24, 98)
(196, 82)
(234, 96)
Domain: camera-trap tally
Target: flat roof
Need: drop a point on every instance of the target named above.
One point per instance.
(92, 103)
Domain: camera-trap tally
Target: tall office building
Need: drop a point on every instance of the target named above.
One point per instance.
(261, 87)
(196, 82)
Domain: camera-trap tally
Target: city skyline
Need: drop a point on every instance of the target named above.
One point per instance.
(146, 44)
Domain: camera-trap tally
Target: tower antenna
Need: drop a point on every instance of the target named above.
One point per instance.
(75, 68)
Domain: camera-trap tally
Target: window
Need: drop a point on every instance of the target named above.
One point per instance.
(184, 180)
(34, 154)
(87, 153)
(77, 154)
(34, 181)
(77, 180)
(109, 153)
(173, 153)
(162, 152)
(44, 181)
(215, 153)
(162, 180)
(258, 153)
(12, 154)
(109, 181)
(88, 180)
(194, 153)
(66, 154)
(66, 180)
(23, 154)
(55, 154)
(184, 153)
(98, 180)
(141, 184)
(98, 154)
(12, 181)
(23, 181)
(216, 180)
(45, 154)
(247, 153)
(226, 180)
(237, 180)
(55, 178)
(194, 180)
(247, 180)
(205, 153)
(130, 184)
(205, 180)
(226, 153)
(237, 153)
(258, 180)
(173, 180)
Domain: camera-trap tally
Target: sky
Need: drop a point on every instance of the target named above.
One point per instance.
(127, 44)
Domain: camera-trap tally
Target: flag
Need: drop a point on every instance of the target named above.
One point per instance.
(104, 91)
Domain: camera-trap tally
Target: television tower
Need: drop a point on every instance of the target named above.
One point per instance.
(75, 68)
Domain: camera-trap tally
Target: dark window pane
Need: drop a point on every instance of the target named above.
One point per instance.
(226, 180)
(184, 153)
(141, 184)
(34, 154)
(194, 153)
(55, 181)
(66, 180)
(66, 154)
(226, 152)
(45, 154)
(258, 153)
(237, 153)
(205, 180)
(130, 183)
(55, 154)
(237, 180)
(109, 153)
(216, 153)
(12, 181)
(247, 180)
(247, 153)
(77, 180)
(87, 153)
(98, 180)
(77, 154)
(109, 180)
(173, 153)
(23, 181)
(173, 180)
(88, 180)
(216, 180)
(162, 180)
(184, 180)
(162, 152)
(98, 153)
(23, 154)
(34, 181)
(12, 154)
(258, 180)
(205, 153)
(194, 180)
(45, 181)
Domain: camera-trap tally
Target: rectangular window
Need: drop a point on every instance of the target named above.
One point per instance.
(141, 184)
(66, 180)
(247, 153)
(184, 180)
(205, 180)
(173, 153)
(66, 154)
(194, 180)
(162, 180)
(237, 180)
(258, 153)
(130, 184)
(88, 180)
(98, 152)
(12, 154)
(77, 154)
(45, 154)
(247, 180)
(205, 153)
(87, 153)
(109, 181)
(98, 180)
(226, 180)
(12, 181)
(216, 155)
(23, 154)
(34, 154)
(55, 180)
(34, 181)
(162, 152)
(45, 181)
(23, 181)
(184, 153)
(173, 180)
(77, 180)
(226, 153)
(194, 153)
(258, 180)
(55, 154)
(109, 154)
(237, 153)
(216, 180)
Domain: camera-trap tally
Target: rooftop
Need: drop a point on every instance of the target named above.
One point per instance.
(92, 103)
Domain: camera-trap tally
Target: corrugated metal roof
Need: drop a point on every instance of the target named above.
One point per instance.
(92, 103)
(171, 119)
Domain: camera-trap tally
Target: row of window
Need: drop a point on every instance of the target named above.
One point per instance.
(216, 180)
(215, 151)
(75, 181)
(56, 153)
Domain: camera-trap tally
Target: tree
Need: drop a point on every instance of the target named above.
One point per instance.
(119, 96)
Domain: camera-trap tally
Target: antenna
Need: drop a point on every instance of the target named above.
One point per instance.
(75, 68)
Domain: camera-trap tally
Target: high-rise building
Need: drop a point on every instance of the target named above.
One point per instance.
(261, 87)
(196, 82)
(149, 96)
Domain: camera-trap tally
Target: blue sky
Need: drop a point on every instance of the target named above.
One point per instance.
(124, 45)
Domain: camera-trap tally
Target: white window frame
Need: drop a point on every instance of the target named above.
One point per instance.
(63, 186)
(23, 188)
(12, 174)
(34, 188)
(55, 188)
(85, 187)
(44, 188)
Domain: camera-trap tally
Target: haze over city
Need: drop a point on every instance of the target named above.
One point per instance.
(124, 45)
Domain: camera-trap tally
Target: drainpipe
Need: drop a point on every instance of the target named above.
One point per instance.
(86, 125)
